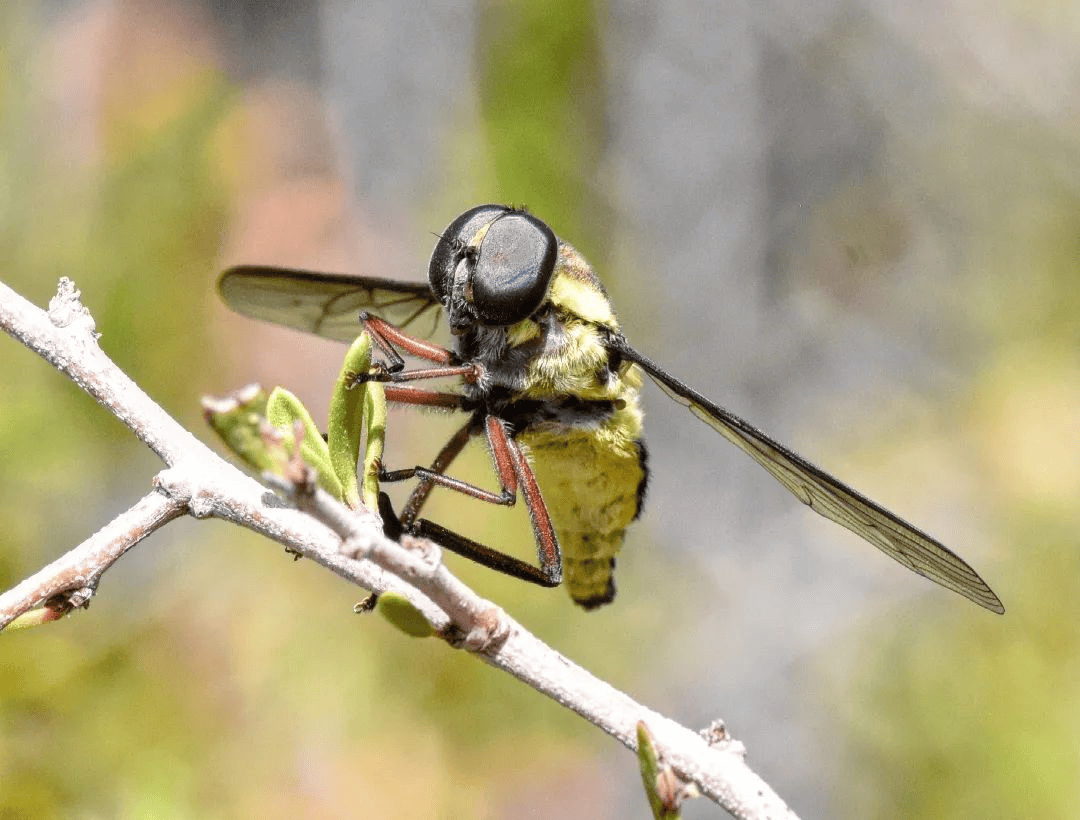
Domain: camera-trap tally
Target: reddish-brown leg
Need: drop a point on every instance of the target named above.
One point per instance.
(386, 336)
(547, 544)
(513, 471)
(442, 461)
(504, 469)
(511, 465)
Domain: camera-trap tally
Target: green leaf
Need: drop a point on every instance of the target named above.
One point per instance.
(35, 617)
(238, 419)
(651, 771)
(403, 615)
(351, 407)
(354, 409)
(282, 410)
(375, 418)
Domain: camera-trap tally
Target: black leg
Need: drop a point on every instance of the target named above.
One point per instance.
(513, 471)
(485, 556)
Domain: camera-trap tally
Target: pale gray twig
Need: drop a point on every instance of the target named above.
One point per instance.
(71, 579)
(351, 544)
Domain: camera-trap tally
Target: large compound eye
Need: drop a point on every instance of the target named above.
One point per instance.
(453, 244)
(513, 269)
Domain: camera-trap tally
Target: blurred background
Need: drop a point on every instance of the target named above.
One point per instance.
(856, 223)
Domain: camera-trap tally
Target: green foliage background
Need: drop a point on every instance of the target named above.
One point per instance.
(212, 663)
(213, 677)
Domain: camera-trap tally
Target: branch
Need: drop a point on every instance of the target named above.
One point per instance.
(349, 543)
(71, 580)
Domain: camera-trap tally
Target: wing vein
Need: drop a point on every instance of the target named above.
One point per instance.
(825, 494)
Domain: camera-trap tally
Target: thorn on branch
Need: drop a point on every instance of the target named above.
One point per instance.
(367, 605)
(717, 736)
(427, 552)
(303, 477)
(294, 476)
(77, 598)
(489, 631)
(67, 310)
(715, 733)
(673, 791)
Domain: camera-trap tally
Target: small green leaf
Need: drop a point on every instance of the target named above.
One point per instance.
(238, 419)
(242, 418)
(282, 409)
(403, 615)
(651, 774)
(375, 419)
(348, 412)
(35, 617)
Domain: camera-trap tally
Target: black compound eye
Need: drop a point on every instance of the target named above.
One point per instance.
(513, 269)
(453, 246)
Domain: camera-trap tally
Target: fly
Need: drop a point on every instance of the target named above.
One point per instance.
(550, 382)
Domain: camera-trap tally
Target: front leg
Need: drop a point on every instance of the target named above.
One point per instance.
(388, 338)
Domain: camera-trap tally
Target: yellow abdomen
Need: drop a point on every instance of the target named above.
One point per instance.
(592, 480)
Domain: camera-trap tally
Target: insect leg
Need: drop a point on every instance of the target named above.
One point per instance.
(547, 544)
(423, 489)
(467, 371)
(502, 451)
(386, 335)
(423, 398)
(507, 479)
(448, 539)
(419, 397)
(485, 556)
(435, 474)
(514, 471)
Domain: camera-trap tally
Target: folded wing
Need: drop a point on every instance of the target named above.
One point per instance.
(325, 304)
(826, 495)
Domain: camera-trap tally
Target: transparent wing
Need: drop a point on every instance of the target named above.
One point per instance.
(325, 304)
(826, 495)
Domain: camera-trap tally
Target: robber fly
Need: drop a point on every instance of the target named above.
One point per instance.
(549, 381)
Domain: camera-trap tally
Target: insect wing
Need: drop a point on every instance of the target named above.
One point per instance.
(826, 495)
(325, 304)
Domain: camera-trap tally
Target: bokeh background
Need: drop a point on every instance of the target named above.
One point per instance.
(856, 223)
